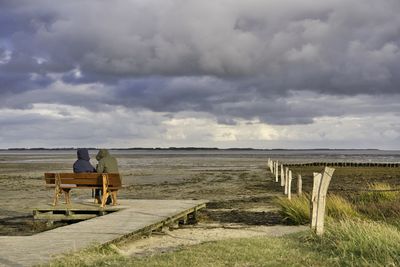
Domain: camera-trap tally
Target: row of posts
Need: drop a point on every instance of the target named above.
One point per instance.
(318, 198)
(286, 177)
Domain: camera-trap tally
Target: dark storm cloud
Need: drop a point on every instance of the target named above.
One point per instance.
(234, 59)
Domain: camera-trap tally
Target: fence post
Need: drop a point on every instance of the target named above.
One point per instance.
(320, 189)
(277, 172)
(290, 185)
(286, 179)
(273, 167)
(316, 182)
(299, 185)
(282, 176)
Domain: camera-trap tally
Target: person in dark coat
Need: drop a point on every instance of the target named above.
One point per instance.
(83, 162)
(107, 164)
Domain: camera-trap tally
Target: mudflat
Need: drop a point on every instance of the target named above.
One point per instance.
(238, 185)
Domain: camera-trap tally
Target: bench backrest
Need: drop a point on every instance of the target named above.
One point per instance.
(84, 179)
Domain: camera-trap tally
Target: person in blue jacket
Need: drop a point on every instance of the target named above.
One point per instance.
(83, 162)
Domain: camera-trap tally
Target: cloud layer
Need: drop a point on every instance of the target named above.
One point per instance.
(231, 63)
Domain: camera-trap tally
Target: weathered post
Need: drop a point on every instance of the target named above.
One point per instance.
(273, 167)
(277, 172)
(290, 185)
(282, 176)
(299, 185)
(320, 189)
(316, 182)
(286, 179)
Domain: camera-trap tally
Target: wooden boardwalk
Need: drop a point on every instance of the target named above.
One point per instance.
(135, 217)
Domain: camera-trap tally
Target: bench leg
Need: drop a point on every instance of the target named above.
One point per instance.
(114, 197)
(104, 198)
(67, 196)
(56, 194)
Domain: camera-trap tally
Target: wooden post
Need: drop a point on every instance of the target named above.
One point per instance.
(277, 172)
(286, 179)
(320, 189)
(299, 185)
(282, 176)
(314, 195)
(290, 185)
(269, 164)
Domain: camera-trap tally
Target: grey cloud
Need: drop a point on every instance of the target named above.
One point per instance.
(240, 59)
(294, 46)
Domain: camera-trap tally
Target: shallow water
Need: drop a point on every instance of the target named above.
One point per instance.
(288, 156)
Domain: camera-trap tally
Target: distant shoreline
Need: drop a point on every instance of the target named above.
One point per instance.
(195, 149)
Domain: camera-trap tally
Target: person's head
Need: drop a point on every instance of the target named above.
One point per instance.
(83, 153)
(102, 154)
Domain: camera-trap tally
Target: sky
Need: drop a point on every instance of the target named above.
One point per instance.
(221, 73)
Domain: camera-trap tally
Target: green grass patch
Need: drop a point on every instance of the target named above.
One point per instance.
(232, 252)
(360, 243)
(344, 243)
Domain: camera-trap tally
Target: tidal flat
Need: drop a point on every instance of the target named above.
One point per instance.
(237, 184)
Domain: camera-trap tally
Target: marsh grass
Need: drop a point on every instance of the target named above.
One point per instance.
(340, 208)
(378, 192)
(359, 243)
(297, 210)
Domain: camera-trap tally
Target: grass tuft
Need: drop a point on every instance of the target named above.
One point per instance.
(297, 210)
(340, 208)
(360, 243)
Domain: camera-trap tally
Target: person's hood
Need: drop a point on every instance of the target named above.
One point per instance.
(102, 154)
(83, 153)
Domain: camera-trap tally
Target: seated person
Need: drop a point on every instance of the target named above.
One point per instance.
(107, 164)
(82, 164)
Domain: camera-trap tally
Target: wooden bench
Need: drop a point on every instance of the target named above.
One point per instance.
(64, 182)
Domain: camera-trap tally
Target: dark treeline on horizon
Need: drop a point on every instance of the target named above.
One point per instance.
(185, 148)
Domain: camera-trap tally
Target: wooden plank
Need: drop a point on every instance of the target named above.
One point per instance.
(63, 217)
